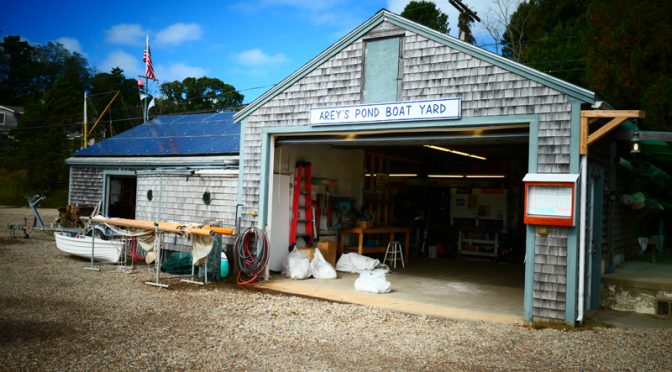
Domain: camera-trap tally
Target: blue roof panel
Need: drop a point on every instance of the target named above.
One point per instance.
(174, 135)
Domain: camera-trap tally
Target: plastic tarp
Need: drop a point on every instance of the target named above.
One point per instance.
(355, 263)
(373, 281)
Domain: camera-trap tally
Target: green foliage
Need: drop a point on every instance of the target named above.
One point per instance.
(426, 13)
(16, 70)
(198, 94)
(629, 62)
(620, 49)
(126, 110)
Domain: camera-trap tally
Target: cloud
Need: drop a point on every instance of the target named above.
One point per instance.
(71, 44)
(131, 64)
(257, 57)
(178, 33)
(178, 71)
(126, 34)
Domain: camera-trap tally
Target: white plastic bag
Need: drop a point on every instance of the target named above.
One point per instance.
(373, 282)
(321, 268)
(297, 265)
(355, 263)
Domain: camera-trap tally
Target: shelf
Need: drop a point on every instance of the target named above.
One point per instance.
(488, 246)
(480, 241)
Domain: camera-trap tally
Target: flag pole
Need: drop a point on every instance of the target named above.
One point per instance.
(146, 114)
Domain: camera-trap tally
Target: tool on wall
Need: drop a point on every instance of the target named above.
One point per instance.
(302, 186)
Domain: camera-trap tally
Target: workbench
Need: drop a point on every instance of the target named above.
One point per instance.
(381, 230)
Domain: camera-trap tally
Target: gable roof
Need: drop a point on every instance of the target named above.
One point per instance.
(173, 135)
(13, 109)
(581, 94)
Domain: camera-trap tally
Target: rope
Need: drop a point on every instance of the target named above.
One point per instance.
(250, 252)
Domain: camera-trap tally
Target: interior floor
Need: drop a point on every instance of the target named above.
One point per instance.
(448, 288)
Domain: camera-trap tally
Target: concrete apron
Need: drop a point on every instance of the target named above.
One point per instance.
(449, 289)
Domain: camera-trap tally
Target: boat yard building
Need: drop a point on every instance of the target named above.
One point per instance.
(181, 168)
(405, 126)
(398, 133)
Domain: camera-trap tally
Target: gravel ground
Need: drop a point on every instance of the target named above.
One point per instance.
(54, 315)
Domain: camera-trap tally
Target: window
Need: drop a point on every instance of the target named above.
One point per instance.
(381, 70)
(2, 118)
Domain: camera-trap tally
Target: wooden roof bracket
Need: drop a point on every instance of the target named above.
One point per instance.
(617, 117)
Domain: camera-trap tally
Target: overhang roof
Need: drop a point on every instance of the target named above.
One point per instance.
(173, 135)
(384, 15)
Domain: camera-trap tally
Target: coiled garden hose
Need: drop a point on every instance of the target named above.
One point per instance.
(250, 251)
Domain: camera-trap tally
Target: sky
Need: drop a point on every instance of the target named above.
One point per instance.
(251, 44)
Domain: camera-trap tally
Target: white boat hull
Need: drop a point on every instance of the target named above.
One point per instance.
(107, 251)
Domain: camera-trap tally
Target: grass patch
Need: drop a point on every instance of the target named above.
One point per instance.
(559, 326)
(14, 191)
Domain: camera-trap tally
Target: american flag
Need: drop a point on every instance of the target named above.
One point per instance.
(147, 57)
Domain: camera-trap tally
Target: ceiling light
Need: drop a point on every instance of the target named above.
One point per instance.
(403, 174)
(455, 152)
(485, 176)
(445, 176)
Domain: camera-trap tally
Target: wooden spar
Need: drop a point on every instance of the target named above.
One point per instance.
(220, 230)
(169, 227)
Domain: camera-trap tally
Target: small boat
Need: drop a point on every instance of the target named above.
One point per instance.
(107, 251)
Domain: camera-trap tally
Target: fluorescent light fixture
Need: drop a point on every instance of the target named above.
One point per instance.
(455, 152)
(445, 176)
(403, 174)
(393, 174)
(485, 176)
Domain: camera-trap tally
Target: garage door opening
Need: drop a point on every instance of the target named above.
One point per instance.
(459, 193)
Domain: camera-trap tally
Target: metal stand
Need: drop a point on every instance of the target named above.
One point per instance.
(123, 263)
(93, 249)
(157, 262)
(193, 275)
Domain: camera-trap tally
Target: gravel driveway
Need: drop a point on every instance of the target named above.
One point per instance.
(54, 315)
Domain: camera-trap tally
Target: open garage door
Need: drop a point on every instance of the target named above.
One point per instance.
(459, 192)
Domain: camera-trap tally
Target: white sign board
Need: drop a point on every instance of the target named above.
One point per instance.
(449, 108)
(549, 201)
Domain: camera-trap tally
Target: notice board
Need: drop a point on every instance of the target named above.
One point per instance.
(549, 199)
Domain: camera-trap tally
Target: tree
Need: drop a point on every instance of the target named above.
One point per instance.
(497, 20)
(547, 35)
(48, 118)
(17, 70)
(629, 62)
(198, 94)
(426, 13)
(126, 110)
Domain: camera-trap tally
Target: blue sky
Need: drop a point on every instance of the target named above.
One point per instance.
(248, 44)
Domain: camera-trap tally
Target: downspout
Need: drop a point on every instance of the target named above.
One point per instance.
(582, 236)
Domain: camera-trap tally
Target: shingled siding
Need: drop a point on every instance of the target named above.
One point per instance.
(86, 184)
(182, 199)
(432, 70)
(550, 275)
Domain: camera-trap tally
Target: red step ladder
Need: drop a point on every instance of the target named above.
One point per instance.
(302, 186)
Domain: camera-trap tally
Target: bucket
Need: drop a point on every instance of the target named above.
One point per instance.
(431, 252)
(224, 266)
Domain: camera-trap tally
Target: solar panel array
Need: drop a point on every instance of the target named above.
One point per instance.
(174, 135)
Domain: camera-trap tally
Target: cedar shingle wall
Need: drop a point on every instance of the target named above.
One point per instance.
(182, 199)
(86, 184)
(432, 70)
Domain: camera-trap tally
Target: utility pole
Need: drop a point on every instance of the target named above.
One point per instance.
(86, 125)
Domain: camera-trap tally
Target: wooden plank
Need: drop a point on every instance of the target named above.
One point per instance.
(583, 143)
(613, 123)
(170, 227)
(609, 114)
